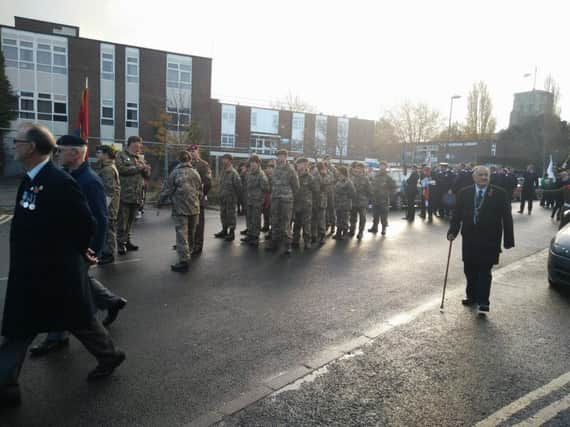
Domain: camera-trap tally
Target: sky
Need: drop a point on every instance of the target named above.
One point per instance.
(357, 58)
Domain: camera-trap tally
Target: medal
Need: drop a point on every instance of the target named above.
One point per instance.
(32, 206)
(25, 204)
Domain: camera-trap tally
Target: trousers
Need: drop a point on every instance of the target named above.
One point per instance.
(185, 226)
(479, 279)
(127, 213)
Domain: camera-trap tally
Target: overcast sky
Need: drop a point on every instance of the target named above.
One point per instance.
(357, 58)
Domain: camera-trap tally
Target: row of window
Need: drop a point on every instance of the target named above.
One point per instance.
(108, 114)
(43, 57)
(179, 76)
(42, 106)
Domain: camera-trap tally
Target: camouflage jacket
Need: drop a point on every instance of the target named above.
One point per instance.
(308, 185)
(284, 183)
(184, 188)
(330, 181)
(132, 178)
(203, 169)
(382, 188)
(230, 185)
(363, 191)
(111, 183)
(344, 194)
(320, 196)
(257, 186)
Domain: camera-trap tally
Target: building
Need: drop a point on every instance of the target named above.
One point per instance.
(534, 103)
(48, 65)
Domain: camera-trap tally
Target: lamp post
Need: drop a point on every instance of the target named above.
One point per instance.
(453, 98)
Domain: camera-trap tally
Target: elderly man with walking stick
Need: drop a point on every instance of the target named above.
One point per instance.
(483, 216)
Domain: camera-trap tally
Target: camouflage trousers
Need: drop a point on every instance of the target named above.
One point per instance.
(380, 214)
(228, 213)
(253, 220)
(303, 220)
(281, 213)
(342, 216)
(110, 245)
(357, 214)
(319, 223)
(127, 213)
(185, 226)
(331, 213)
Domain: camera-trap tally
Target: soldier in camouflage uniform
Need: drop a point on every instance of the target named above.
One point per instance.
(184, 189)
(344, 194)
(319, 223)
(308, 185)
(382, 188)
(132, 172)
(267, 198)
(243, 171)
(229, 193)
(331, 211)
(257, 186)
(105, 168)
(203, 169)
(363, 196)
(284, 185)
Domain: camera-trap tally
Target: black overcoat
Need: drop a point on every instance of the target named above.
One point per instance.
(482, 240)
(48, 287)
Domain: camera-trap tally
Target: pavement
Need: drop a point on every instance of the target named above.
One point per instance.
(216, 344)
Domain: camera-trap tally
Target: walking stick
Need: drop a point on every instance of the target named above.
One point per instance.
(446, 273)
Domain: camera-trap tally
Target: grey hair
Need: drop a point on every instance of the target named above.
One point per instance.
(480, 167)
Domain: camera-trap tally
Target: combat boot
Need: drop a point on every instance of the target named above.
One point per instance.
(338, 235)
(373, 229)
(243, 232)
(180, 267)
(245, 239)
(383, 230)
(221, 234)
(254, 241)
(131, 247)
(231, 236)
(332, 229)
(359, 235)
(322, 241)
(121, 249)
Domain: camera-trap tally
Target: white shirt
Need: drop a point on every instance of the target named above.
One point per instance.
(32, 173)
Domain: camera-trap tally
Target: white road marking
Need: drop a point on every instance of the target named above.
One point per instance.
(126, 261)
(546, 414)
(5, 218)
(2, 279)
(505, 413)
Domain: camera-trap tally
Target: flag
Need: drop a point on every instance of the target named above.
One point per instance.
(83, 119)
(550, 170)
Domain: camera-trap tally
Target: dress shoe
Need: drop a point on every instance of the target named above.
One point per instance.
(231, 236)
(245, 239)
(121, 250)
(113, 311)
(221, 234)
(483, 309)
(48, 346)
(373, 230)
(196, 251)
(106, 259)
(467, 301)
(180, 267)
(103, 370)
(131, 247)
(10, 396)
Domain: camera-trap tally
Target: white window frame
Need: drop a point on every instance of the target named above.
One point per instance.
(228, 140)
(27, 114)
(130, 123)
(105, 120)
(132, 61)
(107, 75)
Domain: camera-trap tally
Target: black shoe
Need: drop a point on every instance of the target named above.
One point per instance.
(221, 234)
(106, 259)
(173, 247)
(113, 312)
(483, 309)
(106, 369)
(383, 231)
(245, 239)
(231, 236)
(322, 241)
(253, 242)
(468, 301)
(130, 247)
(359, 235)
(243, 232)
(10, 396)
(122, 250)
(350, 234)
(180, 267)
(295, 245)
(49, 346)
(406, 218)
(373, 230)
(265, 229)
(196, 251)
(520, 212)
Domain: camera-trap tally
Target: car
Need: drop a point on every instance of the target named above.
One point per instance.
(559, 258)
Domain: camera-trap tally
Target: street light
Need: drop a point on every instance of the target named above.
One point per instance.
(454, 97)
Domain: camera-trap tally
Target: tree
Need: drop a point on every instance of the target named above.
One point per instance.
(385, 132)
(293, 103)
(8, 107)
(415, 122)
(479, 120)
(552, 86)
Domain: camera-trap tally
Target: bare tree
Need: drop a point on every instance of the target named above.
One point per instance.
(552, 86)
(479, 120)
(415, 122)
(293, 103)
(342, 139)
(320, 144)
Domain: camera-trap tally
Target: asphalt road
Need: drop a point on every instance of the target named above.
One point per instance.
(241, 316)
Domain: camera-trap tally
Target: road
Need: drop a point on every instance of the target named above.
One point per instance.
(205, 344)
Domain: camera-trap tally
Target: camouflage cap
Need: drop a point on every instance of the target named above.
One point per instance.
(302, 160)
(282, 152)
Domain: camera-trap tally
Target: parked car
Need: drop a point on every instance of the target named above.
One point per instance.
(559, 257)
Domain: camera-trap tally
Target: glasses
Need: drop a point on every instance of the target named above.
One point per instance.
(23, 141)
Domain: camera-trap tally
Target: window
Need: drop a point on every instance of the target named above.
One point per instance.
(27, 110)
(179, 75)
(107, 113)
(179, 118)
(10, 49)
(132, 115)
(132, 70)
(228, 140)
(263, 145)
(44, 107)
(26, 55)
(107, 66)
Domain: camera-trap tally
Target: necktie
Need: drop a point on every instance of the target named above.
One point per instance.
(478, 202)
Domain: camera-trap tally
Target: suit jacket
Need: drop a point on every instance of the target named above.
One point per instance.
(48, 288)
(482, 240)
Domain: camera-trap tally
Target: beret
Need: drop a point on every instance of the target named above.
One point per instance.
(71, 141)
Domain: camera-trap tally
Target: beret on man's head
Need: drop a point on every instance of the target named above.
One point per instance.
(71, 141)
(106, 149)
(282, 152)
(194, 147)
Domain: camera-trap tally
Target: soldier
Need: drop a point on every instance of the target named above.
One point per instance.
(107, 171)
(428, 194)
(267, 198)
(284, 185)
(411, 191)
(243, 171)
(230, 193)
(363, 195)
(132, 172)
(184, 189)
(331, 212)
(344, 194)
(382, 187)
(203, 169)
(319, 223)
(256, 188)
(304, 203)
